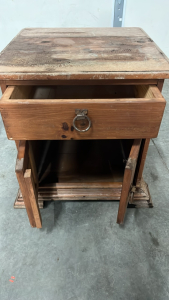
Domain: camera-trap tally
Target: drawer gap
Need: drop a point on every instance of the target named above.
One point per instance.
(83, 92)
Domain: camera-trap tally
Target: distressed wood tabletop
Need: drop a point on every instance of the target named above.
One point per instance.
(82, 53)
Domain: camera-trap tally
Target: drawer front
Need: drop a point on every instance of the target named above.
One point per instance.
(49, 119)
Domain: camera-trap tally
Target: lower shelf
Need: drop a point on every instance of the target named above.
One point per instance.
(88, 191)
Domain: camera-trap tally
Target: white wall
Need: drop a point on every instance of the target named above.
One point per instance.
(18, 14)
(152, 16)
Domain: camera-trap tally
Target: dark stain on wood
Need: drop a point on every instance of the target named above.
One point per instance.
(72, 128)
(64, 136)
(65, 126)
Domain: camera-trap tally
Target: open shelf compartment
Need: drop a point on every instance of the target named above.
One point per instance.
(82, 170)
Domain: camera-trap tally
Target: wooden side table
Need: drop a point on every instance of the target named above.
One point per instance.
(82, 105)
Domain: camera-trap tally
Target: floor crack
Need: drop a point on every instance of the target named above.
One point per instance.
(163, 161)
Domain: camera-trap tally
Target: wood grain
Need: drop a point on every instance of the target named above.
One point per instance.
(82, 53)
(81, 82)
(17, 144)
(43, 119)
(33, 164)
(128, 179)
(141, 196)
(80, 185)
(3, 87)
(141, 161)
(33, 197)
(160, 84)
(21, 164)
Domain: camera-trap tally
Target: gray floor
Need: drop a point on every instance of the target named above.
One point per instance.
(81, 253)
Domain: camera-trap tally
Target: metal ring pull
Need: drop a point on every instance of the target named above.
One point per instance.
(81, 114)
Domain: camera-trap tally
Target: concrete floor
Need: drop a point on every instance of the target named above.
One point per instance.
(81, 253)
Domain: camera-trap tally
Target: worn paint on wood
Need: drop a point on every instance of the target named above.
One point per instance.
(84, 53)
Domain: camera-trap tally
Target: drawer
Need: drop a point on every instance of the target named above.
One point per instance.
(82, 112)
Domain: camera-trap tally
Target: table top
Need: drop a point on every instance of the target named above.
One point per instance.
(82, 53)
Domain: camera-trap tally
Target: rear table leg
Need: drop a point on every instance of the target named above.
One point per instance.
(3, 87)
(141, 161)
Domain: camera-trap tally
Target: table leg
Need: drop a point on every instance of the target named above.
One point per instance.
(3, 87)
(141, 161)
(160, 84)
(17, 144)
